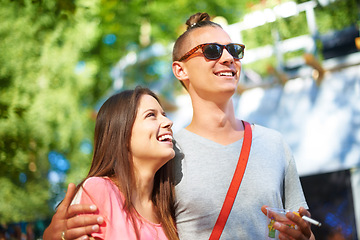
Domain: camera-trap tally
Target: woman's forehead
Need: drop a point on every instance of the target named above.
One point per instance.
(148, 102)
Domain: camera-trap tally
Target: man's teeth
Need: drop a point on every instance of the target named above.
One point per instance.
(228, 74)
(166, 137)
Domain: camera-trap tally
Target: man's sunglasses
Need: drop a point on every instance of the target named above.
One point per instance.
(214, 51)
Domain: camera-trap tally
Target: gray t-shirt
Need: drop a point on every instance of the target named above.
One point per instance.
(204, 170)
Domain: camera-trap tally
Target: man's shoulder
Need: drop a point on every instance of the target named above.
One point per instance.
(182, 136)
(180, 133)
(265, 131)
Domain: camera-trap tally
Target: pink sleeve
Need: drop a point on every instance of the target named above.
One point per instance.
(95, 191)
(110, 203)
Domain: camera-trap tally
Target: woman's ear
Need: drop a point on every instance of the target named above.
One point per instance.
(180, 71)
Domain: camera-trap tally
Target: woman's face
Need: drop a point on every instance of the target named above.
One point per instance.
(210, 77)
(151, 139)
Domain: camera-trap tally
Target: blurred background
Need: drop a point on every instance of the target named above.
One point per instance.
(60, 60)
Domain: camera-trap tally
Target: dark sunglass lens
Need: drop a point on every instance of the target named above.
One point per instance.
(212, 51)
(236, 51)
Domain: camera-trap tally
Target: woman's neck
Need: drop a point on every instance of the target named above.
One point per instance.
(142, 196)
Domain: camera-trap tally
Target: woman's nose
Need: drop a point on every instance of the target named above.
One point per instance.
(167, 123)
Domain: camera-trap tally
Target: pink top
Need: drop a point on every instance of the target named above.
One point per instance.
(107, 197)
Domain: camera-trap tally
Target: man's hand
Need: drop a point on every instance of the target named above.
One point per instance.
(66, 220)
(303, 231)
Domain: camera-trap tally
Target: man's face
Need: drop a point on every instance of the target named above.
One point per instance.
(209, 77)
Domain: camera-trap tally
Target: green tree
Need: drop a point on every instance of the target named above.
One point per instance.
(44, 97)
(54, 67)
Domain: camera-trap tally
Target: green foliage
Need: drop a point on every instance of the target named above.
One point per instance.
(337, 15)
(294, 54)
(31, 196)
(292, 27)
(287, 27)
(44, 103)
(261, 66)
(259, 36)
(282, 28)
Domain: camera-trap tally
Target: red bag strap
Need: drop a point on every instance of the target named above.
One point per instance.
(235, 183)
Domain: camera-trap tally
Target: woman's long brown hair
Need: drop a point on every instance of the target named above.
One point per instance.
(112, 157)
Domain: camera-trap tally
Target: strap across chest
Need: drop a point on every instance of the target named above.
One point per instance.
(235, 183)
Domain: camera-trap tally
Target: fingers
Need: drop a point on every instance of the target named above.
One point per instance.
(302, 230)
(264, 210)
(58, 221)
(288, 233)
(83, 225)
(67, 200)
(83, 238)
(81, 220)
(304, 212)
(77, 209)
(66, 219)
(305, 227)
(72, 210)
(69, 195)
(81, 233)
(85, 221)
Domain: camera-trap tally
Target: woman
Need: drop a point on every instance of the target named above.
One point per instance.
(130, 178)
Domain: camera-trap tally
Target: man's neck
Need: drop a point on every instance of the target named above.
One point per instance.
(216, 122)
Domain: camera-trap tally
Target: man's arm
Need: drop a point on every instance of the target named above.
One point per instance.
(66, 220)
(303, 232)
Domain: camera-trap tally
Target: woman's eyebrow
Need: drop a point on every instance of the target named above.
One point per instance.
(149, 110)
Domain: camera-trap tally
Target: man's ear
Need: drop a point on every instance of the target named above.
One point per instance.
(179, 71)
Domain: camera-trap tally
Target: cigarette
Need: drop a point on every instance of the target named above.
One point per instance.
(310, 220)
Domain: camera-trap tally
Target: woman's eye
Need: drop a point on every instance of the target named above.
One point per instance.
(150, 115)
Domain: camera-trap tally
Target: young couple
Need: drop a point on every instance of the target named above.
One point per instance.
(129, 191)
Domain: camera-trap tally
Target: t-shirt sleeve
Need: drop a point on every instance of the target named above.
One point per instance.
(294, 195)
(96, 191)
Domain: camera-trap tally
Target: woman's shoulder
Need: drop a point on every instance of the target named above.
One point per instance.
(99, 184)
(96, 180)
(101, 189)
